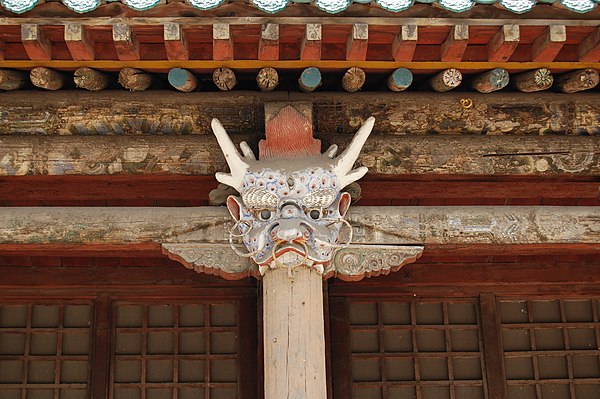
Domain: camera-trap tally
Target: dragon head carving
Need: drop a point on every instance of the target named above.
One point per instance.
(291, 207)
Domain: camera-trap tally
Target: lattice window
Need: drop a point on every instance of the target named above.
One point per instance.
(183, 351)
(415, 349)
(551, 348)
(44, 350)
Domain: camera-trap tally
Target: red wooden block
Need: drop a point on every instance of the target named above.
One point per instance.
(36, 44)
(405, 43)
(79, 42)
(503, 44)
(546, 47)
(357, 43)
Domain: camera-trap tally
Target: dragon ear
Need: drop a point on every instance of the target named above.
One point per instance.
(234, 206)
(344, 203)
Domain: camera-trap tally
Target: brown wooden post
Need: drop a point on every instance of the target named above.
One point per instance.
(294, 334)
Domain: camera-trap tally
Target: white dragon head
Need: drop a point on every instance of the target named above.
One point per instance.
(292, 207)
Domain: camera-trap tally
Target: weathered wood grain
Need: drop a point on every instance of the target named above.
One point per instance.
(429, 226)
(294, 340)
(412, 113)
(383, 155)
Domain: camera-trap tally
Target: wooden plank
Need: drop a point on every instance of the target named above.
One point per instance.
(79, 42)
(454, 46)
(176, 45)
(392, 155)
(222, 42)
(340, 347)
(125, 42)
(310, 47)
(405, 43)
(163, 112)
(102, 333)
(443, 226)
(504, 43)
(252, 65)
(494, 18)
(546, 47)
(166, 112)
(268, 46)
(589, 48)
(293, 334)
(36, 44)
(492, 342)
(357, 43)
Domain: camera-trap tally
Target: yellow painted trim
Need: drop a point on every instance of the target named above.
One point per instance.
(249, 65)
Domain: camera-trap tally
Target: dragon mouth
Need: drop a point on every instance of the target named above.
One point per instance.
(289, 254)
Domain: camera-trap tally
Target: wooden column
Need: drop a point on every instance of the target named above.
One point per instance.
(294, 334)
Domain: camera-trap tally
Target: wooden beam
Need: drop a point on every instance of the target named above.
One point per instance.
(589, 48)
(268, 46)
(491, 81)
(160, 112)
(125, 42)
(36, 44)
(455, 44)
(383, 155)
(405, 43)
(79, 42)
(446, 80)
(310, 48)
(46, 78)
(176, 45)
(430, 226)
(504, 43)
(577, 81)
(2, 49)
(532, 81)
(546, 47)
(357, 43)
(222, 42)
(12, 80)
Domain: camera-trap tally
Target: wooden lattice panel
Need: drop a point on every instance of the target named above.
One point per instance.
(44, 350)
(184, 351)
(551, 348)
(415, 349)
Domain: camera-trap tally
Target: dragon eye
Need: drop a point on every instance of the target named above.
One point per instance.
(315, 214)
(265, 214)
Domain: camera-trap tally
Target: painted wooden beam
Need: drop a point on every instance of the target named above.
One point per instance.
(430, 226)
(79, 42)
(353, 80)
(454, 46)
(134, 79)
(532, 81)
(119, 112)
(491, 81)
(446, 80)
(224, 79)
(12, 80)
(576, 81)
(222, 42)
(546, 47)
(36, 44)
(268, 46)
(125, 42)
(589, 48)
(176, 45)
(2, 49)
(46, 78)
(310, 47)
(183, 80)
(509, 155)
(357, 43)
(504, 43)
(400, 80)
(90, 79)
(405, 43)
(309, 80)
(267, 79)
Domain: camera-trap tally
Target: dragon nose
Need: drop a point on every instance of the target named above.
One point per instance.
(289, 211)
(288, 230)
